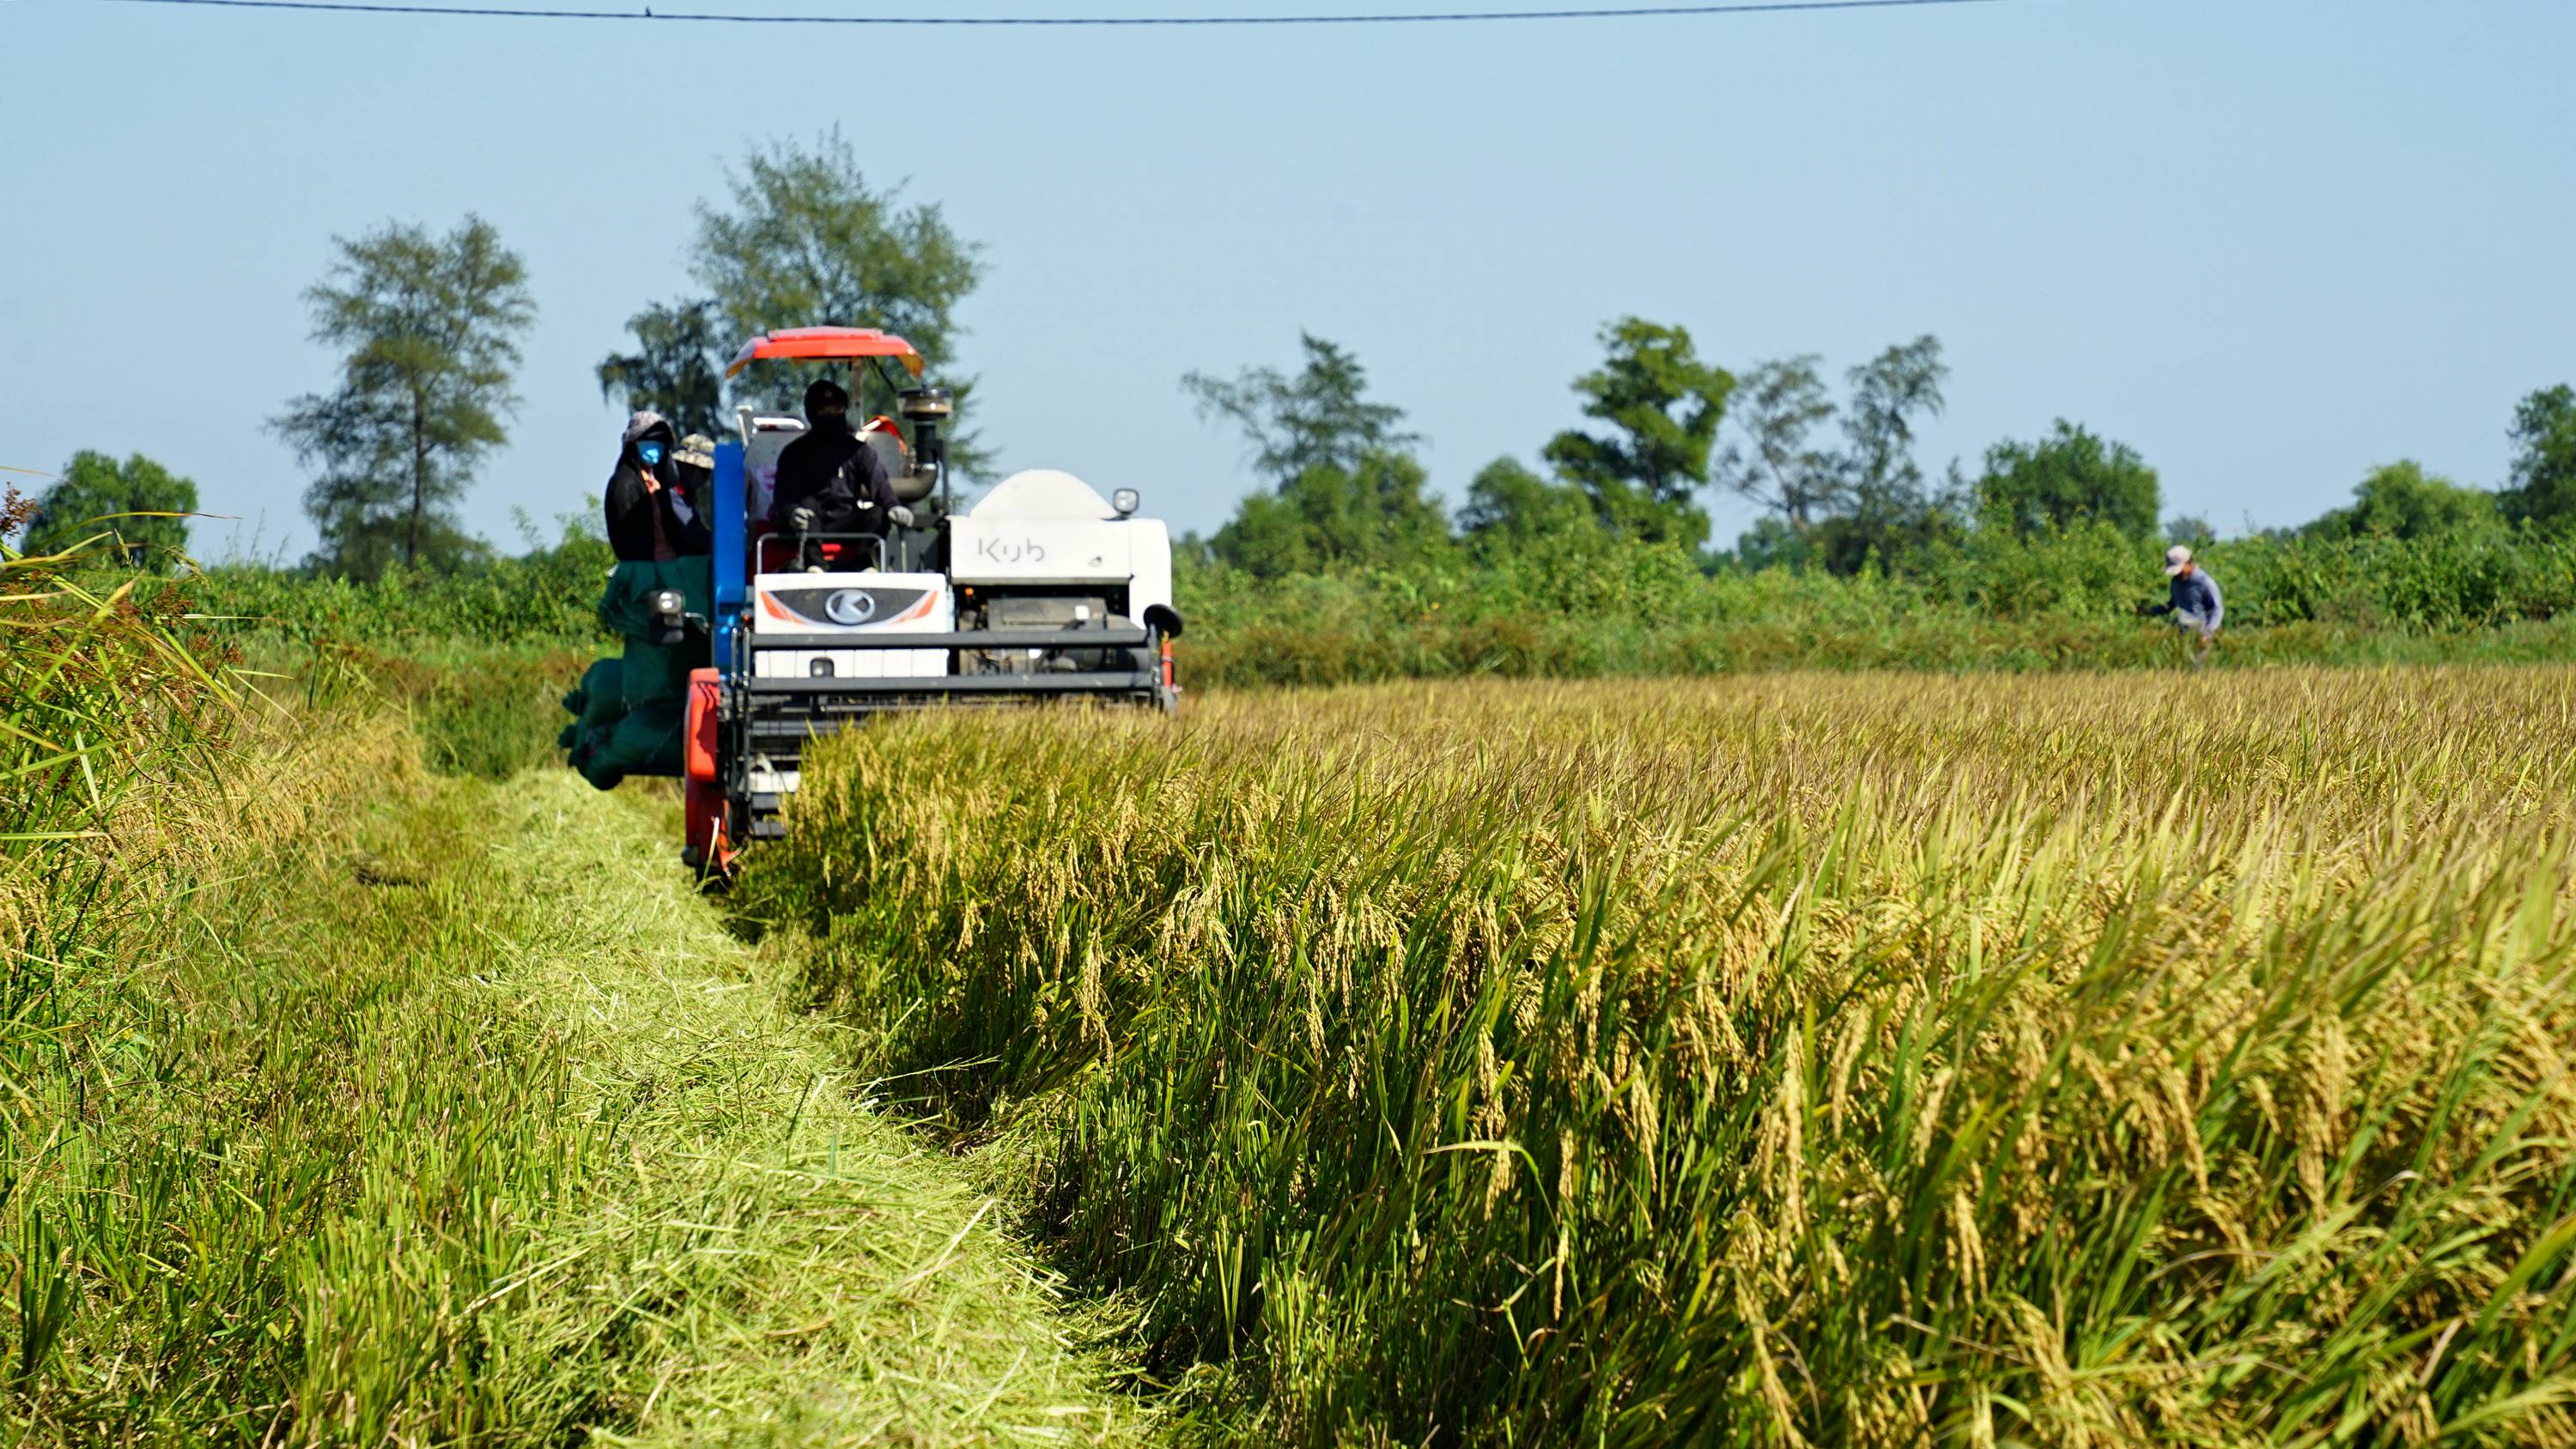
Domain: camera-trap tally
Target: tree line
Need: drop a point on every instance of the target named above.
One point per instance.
(1837, 480)
(428, 326)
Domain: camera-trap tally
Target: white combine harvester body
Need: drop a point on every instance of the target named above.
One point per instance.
(1039, 529)
(1046, 526)
(1043, 590)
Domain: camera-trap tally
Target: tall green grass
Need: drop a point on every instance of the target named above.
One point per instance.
(1879, 1059)
(115, 720)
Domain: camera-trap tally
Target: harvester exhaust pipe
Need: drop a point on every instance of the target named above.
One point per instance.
(927, 409)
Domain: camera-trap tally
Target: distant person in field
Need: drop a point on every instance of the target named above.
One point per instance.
(832, 473)
(650, 520)
(2192, 600)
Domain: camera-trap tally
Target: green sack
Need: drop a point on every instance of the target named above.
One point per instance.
(644, 742)
(597, 703)
(626, 605)
(630, 713)
(656, 674)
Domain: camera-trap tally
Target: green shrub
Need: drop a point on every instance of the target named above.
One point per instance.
(1590, 606)
(546, 597)
(1995, 600)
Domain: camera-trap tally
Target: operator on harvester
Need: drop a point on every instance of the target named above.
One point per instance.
(829, 480)
(629, 711)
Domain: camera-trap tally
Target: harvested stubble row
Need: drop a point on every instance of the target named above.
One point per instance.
(1826, 1059)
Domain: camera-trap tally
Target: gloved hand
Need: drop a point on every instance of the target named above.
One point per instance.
(900, 514)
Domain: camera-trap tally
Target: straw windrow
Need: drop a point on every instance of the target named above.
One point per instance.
(345, 1102)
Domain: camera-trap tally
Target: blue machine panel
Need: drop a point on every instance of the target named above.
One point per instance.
(732, 549)
(732, 545)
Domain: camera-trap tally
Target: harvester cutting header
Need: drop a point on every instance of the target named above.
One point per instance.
(841, 582)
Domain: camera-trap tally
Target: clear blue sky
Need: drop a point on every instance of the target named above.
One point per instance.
(2268, 245)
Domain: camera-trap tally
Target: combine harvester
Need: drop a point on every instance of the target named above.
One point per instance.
(1043, 590)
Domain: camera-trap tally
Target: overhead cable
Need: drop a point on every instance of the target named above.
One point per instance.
(1425, 17)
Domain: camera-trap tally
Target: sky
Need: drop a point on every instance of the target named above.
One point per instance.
(2269, 246)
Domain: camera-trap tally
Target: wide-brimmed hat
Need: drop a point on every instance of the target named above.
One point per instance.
(2177, 558)
(697, 450)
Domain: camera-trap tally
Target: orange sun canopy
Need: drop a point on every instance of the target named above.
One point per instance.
(825, 344)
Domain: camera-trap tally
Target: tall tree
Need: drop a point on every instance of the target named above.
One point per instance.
(808, 242)
(1773, 460)
(2067, 478)
(129, 501)
(431, 326)
(1320, 418)
(2191, 528)
(1889, 393)
(1885, 508)
(1376, 514)
(673, 369)
(1772, 543)
(1663, 405)
(1510, 507)
(2544, 460)
(2401, 500)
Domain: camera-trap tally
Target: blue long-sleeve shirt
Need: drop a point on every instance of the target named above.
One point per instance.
(2196, 594)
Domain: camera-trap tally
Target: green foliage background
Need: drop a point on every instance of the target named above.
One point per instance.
(1993, 601)
(128, 501)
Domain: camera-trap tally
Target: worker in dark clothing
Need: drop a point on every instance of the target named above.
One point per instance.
(831, 476)
(650, 519)
(2192, 601)
(697, 460)
(629, 711)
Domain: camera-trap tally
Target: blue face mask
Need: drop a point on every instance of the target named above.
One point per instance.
(651, 453)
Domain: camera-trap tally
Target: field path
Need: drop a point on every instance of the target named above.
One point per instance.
(734, 1248)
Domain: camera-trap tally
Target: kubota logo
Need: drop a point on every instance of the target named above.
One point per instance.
(850, 606)
(1027, 550)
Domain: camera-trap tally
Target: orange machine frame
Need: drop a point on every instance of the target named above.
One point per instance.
(826, 344)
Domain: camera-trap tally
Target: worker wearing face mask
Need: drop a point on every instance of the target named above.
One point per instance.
(650, 517)
(628, 711)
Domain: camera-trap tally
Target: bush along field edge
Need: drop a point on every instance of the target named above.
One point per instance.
(2009, 603)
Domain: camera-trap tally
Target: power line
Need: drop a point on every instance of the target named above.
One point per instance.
(1428, 17)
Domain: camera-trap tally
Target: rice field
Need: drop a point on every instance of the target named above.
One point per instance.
(1795, 1059)
(1868, 1058)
